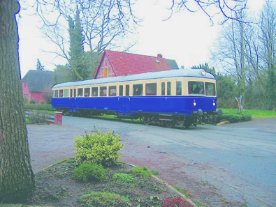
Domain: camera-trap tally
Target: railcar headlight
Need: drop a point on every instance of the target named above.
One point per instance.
(194, 103)
(214, 103)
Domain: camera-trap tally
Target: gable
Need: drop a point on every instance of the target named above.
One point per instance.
(122, 63)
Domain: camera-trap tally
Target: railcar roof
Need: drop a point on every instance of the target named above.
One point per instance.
(199, 73)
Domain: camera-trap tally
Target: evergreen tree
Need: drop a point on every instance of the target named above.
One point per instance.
(77, 64)
(205, 67)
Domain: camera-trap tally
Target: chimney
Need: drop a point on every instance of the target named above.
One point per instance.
(159, 55)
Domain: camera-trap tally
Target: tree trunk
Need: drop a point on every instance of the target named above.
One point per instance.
(16, 175)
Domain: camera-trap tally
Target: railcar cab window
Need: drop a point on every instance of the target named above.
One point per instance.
(210, 89)
(112, 90)
(80, 92)
(163, 88)
(137, 89)
(61, 93)
(178, 88)
(196, 87)
(56, 94)
(87, 92)
(95, 91)
(151, 89)
(103, 91)
(169, 88)
(121, 90)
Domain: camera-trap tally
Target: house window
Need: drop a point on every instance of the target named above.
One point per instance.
(87, 92)
(151, 89)
(95, 91)
(137, 89)
(121, 90)
(127, 90)
(178, 88)
(103, 91)
(196, 87)
(163, 88)
(105, 72)
(80, 91)
(169, 88)
(61, 93)
(112, 90)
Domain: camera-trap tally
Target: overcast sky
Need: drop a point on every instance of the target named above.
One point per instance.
(186, 37)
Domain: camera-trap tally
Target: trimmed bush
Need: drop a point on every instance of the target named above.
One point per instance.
(107, 199)
(101, 148)
(233, 118)
(122, 178)
(89, 172)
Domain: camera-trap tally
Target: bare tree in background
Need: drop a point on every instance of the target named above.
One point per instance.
(268, 44)
(103, 22)
(231, 51)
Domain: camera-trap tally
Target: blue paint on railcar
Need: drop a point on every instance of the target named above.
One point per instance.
(183, 105)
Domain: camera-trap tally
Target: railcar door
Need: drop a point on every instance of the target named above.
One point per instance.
(72, 103)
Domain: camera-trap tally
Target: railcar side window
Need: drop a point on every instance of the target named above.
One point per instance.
(151, 89)
(71, 93)
(66, 93)
(178, 88)
(61, 93)
(121, 90)
(112, 90)
(196, 87)
(210, 89)
(163, 88)
(95, 91)
(87, 92)
(138, 89)
(127, 90)
(103, 91)
(80, 91)
(169, 88)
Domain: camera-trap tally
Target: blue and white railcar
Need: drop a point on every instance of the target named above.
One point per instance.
(181, 93)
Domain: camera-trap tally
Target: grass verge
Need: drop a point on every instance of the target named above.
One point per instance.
(255, 113)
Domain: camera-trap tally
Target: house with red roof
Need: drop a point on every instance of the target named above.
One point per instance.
(113, 63)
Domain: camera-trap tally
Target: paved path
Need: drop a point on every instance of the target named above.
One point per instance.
(230, 165)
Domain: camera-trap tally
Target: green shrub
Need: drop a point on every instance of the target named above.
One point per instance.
(96, 199)
(141, 171)
(101, 148)
(89, 172)
(122, 178)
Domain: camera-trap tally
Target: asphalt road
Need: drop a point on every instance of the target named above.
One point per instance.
(230, 165)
